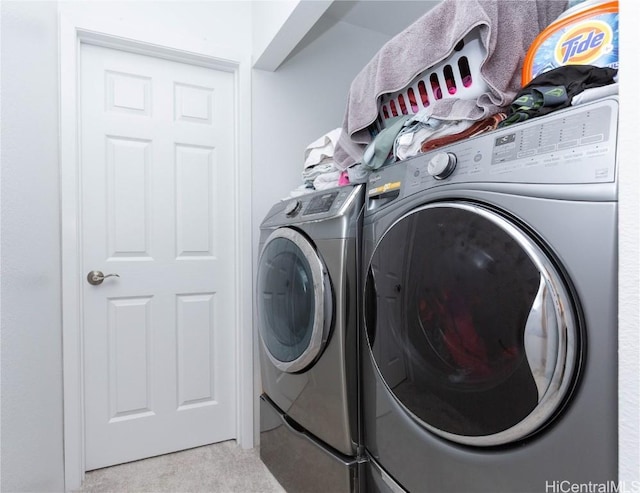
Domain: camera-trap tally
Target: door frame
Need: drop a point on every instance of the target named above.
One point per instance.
(72, 34)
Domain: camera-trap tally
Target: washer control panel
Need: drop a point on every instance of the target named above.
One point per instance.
(576, 145)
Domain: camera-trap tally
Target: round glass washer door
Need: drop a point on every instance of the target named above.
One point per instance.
(470, 325)
(294, 301)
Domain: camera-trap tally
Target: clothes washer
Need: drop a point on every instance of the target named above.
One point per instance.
(490, 311)
(307, 315)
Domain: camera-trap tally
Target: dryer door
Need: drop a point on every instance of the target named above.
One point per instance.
(294, 301)
(478, 320)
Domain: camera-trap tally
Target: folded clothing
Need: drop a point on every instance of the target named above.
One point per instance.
(321, 149)
(327, 180)
(554, 90)
(320, 171)
(312, 172)
(358, 173)
(303, 189)
(409, 142)
(378, 152)
(476, 128)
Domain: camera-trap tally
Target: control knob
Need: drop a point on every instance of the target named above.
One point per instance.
(442, 165)
(292, 208)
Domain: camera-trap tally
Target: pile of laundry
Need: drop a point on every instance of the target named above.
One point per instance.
(569, 85)
(505, 30)
(407, 136)
(365, 142)
(321, 171)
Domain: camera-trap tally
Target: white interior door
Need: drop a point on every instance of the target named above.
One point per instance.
(157, 144)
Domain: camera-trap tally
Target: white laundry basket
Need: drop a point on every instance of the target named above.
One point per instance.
(458, 76)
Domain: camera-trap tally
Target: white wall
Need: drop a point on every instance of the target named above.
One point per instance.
(220, 27)
(304, 99)
(280, 25)
(31, 327)
(629, 261)
(272, 15)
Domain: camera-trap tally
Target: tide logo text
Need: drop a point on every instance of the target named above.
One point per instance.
(585, 43)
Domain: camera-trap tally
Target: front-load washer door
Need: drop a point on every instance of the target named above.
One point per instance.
(470, 325)
(294, 301)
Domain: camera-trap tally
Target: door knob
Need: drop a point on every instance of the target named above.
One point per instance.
(96, 277)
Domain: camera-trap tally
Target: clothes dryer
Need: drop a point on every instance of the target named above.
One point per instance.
(307, 320)
(490, 311)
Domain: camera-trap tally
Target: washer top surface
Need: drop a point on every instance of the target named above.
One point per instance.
(544, 157)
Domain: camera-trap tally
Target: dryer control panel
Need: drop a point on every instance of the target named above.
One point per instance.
(315, 206)
(576, 145)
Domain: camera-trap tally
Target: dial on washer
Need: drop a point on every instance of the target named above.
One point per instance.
(442, 165)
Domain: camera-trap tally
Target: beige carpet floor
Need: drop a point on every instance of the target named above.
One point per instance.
(219, 468)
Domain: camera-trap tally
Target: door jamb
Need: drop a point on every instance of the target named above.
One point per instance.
(70, 40)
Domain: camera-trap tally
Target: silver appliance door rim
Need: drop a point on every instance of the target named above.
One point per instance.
(322, 303)
(553, 389)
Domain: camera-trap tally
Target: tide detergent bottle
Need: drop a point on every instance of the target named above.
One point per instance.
(586, 34)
